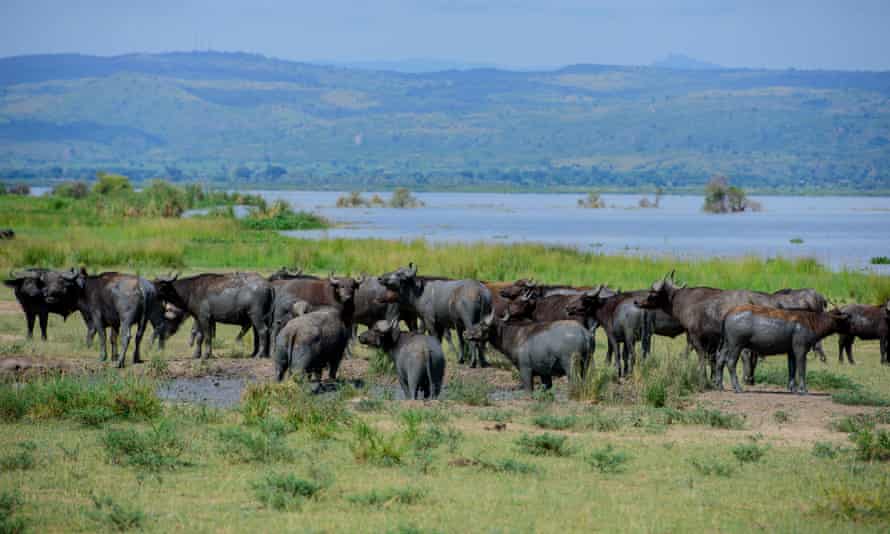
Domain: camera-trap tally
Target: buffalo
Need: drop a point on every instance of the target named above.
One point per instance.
(29, 288)
(418, 358)
(234, 298)
(545, 350)
(442, 305)
(312, 340)
(866, 322)
(336, 292)
(769, 331)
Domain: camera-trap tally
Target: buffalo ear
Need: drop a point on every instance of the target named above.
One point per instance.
(14, 283)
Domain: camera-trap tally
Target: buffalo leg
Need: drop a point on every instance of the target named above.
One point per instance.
(103, 351)
(29, 317)
(125, 343)
(42, 317)
(820, 352)
(609, 349)
(792, 371)
(547, 381)
(113, 342)
(730, 357)
(203, 337)
(801, 357)
(630, 345)
(140, 332)
(527, 379)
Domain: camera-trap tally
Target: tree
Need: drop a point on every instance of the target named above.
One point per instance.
(721, 197)
(111, 184)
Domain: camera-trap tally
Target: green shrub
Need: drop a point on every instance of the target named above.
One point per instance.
(153, 450)
(111, 184)
(823, 449)
(285, 491)
(748, 452)
(543, 395)
(472, 392)
(402, 198)
(600, 421)
(872, 445)
(859, 397)
(387, 497)
(714, 418)
(94, 416)
(380, 364)
(83, 398)
(21, 460)
(10, 502)
(862, 501)
(781, 417)
(880, 260)
(607, 460)
(75, 190)
(555, 422)
(506, 465)
(594, 385)
(853, 423)
(371, 446)
(245, 446)
(14, 403)
(545, 444)
(116, 516)
(712, 466)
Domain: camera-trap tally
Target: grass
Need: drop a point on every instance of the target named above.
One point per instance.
(607, 460)
(469, 391)
(266, 445)
(10, 503)
(280, 491)
(23, 459)
(545, 444)
(709, 466)
(387, 497)
(116, 515)
(872, 445)
(555, 422)
(159, 448)
(748, 453)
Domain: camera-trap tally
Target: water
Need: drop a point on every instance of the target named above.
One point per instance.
(841, 232)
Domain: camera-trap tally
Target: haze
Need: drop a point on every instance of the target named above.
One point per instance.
(814, 34)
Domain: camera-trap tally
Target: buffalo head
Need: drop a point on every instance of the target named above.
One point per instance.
(285, 274)
(524, 306)
(396, 279)
(344, 288)
(383, 334)
(59, 285)
(660, 294)
(479, 332)
(28, 282)
(589, 301)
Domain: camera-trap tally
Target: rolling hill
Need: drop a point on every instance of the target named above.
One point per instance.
(248, 119)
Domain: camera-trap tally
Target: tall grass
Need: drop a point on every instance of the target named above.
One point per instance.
(68, 234)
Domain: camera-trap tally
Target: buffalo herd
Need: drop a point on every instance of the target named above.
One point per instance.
(305, 323)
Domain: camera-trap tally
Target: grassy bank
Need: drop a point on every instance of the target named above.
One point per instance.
(49, 235)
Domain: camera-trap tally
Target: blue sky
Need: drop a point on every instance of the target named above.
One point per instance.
(777, 34)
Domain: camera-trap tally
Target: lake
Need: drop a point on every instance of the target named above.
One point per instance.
(842, 232)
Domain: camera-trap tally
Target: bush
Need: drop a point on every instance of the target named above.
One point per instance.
(712, 466)
(472, 392)
(380, 364)
(285, 491)
(607, 460)
(21, 460)
(545, 444)
(386, 497)
(600, 421)
(371, 446)
(111, 184)
(853, 423)
(154, 450)
(748, 453)
(10, 502)
(402, 198)
(555, 422)
(267, 445)
(506, 465)
(880, 260)
(861, 501)
(14, 403)
(713, 418)
(592, 201)
(498, 416)
(280, 216)
(75, 190)
(872, 445)
(781, 417)
(721, 197)
(823, 449)
(94, 416)
(116, 516)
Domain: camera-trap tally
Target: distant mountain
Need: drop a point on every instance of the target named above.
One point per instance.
(247, 119)
(683, 62)
(411, 66)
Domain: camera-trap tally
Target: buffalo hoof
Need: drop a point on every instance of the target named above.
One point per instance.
(120, 364)
(138, 360)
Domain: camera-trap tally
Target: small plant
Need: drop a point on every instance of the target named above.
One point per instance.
(880, 260)
(714, 418)
(592, 201)
(859, 397)
(555, 422)
(860, 501)
(796, 241)
(472, 392)
(872, 445)
(387, 497)
(117, 516)
(21, 460)
(256, 402)
(543, 395)
(823, 449)
(600, 421)
(371, 446)
(498, 416)
(158, 367)
(594, 385)
(267, 445)
(402, 198)
(748, 453)
(380, 364)
(10, 502)
(285, 491)
(656, 393)
(545, 444)
(14, 404)
(781, 417)
(94, 416)
(369, 405)
(712, 466)
(607, 460)
(153, 450)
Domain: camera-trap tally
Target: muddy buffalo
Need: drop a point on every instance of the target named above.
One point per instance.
(418, 358)
(312, 341)
(866, 322)
(233, 298)
(768, 331)
(442, 305)
(317, 293)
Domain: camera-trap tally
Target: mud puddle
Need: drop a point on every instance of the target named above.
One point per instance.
(210, 390)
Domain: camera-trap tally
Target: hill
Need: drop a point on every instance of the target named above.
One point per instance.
(248, 119)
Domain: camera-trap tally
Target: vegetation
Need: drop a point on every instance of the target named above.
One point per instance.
(880, 260)
(607, 460)
(721, 197)
(285, 491)
(401, 198)
(593, 201)
(608, 127)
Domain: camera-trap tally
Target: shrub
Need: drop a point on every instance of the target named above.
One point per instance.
(111, 184)
(472, 392)
(386, 497)
(748, 453)
(94, 416)
(853, 423)
(153, 450)
(115, 515)
(714, 418)
(267, 445)
(76, 190)
(285, 491)
(872, 445)
(781, 417)
(861, 501)
(371, 446)
(402, 198)
(380, 364)
(607, 460)
(21, 460)
(796, 241)
(600, 421)
(14, 403)
(10, 502)
(823, 449)
(592, 201)
(880, 260)
(859, 398)
(555, 422)
(545, 444)
(712, 466)
(505, 465)
(721, 197)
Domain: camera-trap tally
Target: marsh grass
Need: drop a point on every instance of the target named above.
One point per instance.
(372, 446)
(555, 422)
(872, 445)
(712, 466)
(857, 501)
(748, 453)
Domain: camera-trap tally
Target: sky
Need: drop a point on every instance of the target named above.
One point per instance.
(813, 34)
